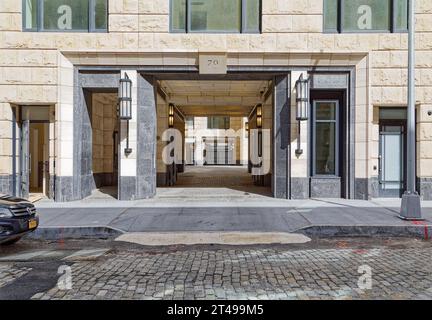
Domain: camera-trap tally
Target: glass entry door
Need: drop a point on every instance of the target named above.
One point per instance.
(392, 159)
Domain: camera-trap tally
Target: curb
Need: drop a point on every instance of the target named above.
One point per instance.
(422, 232)
(59, 233)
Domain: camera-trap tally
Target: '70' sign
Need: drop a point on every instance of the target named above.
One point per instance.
(213, 63)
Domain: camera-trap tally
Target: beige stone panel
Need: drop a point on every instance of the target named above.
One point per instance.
(425, 167)
(391, 41)
(10, 22)
(5, 146)
(361, 168)
(349, 42)
(154, 6)
(387, 77)
(380, 59)
(368, 41)
(15, 40)
(153, 23)
(423, 22)
(425, 77)
(36, 58)
(10, 6)
(423, 6)
(291, 41)
(307, 23)
(237, 42)
(264, 42)
(320, 42)
(115, 6)
(8, 57)
(251, 59)
(361, 150)
(425, 149)
(424, 131)
(130, 41)
(361, 132)
(8, 93)
(147, 40)
(123, 23)
(424, 59)
(277, 59)
(166, 41)
(5, 165)
(392, 95)
(277, 23)
(5, 129)
(299, 167)
(213, 42)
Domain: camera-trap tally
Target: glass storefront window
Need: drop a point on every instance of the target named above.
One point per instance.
(325, 138)
(365, 15)
(65, 15)
(215, 16)
(401, 15)
(178, 15)
(62, 15)
(362, 15)
(30, 18)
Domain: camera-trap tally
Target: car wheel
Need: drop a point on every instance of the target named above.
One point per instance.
(10, 242)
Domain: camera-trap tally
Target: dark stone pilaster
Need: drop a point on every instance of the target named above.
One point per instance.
(425, 188)
(6, 185)
(146, 138)
(325, 187)
(281, 132)
(299, 188)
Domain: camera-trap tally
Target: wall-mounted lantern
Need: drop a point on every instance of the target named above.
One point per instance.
(171, 115)
(125, 106)
(247, 126)
(259, 116)
(302, 105)
(302, 98)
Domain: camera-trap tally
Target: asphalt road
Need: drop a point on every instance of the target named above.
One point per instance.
(321, 269)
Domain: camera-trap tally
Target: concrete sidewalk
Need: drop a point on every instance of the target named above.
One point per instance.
(318, 218)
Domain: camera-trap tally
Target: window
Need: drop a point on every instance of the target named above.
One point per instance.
(218, 123)
(325, 137)
(365, 15)
(65, 15)
(213, 16)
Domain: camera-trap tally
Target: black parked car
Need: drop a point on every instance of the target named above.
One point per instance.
(17, 218)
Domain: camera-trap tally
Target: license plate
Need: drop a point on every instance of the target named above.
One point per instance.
(32, 224)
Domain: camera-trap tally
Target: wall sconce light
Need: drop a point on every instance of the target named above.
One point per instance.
(259, 116)
(125, 106)
(302, 104)
(247, 126)
(171, 115)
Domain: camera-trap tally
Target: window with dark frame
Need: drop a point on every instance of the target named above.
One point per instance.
(65, 15)
(222, 123)
(215, 16)
(325, 131)
(363, 16)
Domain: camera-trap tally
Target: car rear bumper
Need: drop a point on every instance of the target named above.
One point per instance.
(16, 227)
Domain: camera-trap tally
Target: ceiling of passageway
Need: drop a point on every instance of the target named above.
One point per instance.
(206, 98)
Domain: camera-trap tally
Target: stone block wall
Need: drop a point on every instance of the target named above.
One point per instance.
(37, 68)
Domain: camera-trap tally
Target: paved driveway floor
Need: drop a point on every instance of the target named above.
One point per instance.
(325, 269)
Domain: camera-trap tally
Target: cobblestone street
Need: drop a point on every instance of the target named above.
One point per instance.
(332, 271)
